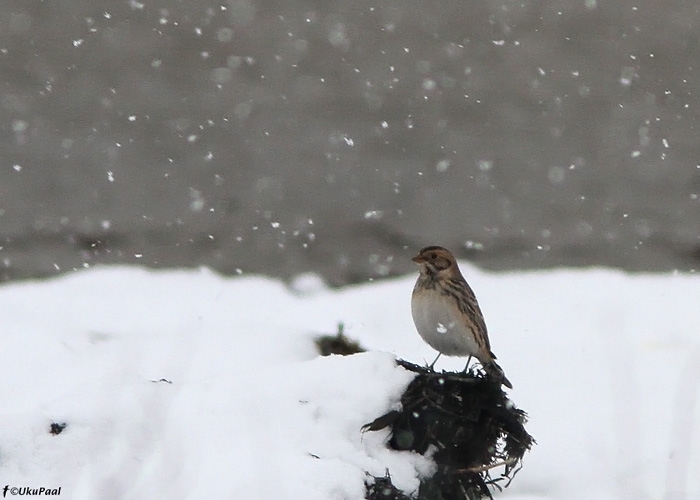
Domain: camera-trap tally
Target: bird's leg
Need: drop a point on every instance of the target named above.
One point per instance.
(469, 359)
(435, 361)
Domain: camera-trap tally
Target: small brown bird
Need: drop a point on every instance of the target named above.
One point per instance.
(446, 313)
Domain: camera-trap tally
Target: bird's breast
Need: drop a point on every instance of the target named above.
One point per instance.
(440, 324)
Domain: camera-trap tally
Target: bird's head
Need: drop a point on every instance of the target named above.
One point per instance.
(436, 260)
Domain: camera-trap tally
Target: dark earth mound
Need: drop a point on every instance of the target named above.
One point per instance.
(466, 423)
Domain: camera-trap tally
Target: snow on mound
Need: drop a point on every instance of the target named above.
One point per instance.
(184, 384)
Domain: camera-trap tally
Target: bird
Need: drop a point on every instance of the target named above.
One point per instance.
(447, 314)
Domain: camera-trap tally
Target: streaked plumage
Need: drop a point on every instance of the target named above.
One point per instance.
(447, 314)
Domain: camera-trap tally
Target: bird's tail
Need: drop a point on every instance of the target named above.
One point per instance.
(496, 372)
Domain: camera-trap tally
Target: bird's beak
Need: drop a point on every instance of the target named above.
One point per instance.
(418, 259)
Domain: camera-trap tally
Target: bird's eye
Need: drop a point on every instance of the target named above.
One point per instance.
(433, 256)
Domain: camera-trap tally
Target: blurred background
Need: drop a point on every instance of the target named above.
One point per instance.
(254, 136)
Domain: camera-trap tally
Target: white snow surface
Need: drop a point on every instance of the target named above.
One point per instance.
(606, 364)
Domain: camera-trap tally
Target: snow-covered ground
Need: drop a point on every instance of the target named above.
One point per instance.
(188, 385)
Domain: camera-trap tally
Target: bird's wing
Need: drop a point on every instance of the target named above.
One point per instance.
(468, 305)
